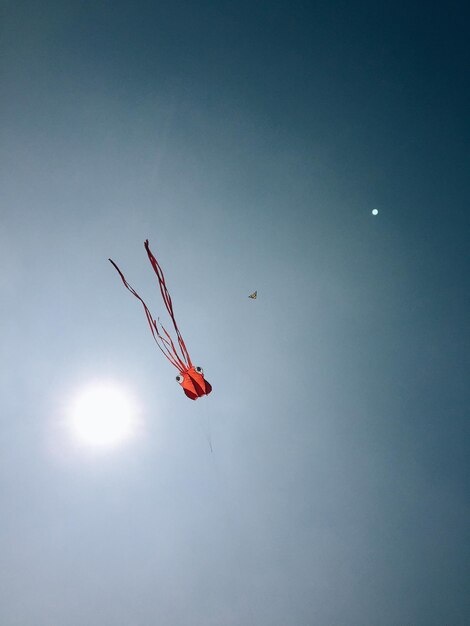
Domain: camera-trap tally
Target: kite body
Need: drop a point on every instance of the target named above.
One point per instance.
(194, 384)
(190, 377)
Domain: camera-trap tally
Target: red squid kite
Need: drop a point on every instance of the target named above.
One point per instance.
(190, 377)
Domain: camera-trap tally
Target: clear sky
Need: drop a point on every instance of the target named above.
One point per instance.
(249, 142)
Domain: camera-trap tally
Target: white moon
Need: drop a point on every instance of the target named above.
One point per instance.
(102, 415)
(375, 211)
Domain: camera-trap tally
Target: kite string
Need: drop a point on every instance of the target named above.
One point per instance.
(205, 424)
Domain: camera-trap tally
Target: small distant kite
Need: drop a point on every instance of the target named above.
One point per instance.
(190, 377)
(253, 295)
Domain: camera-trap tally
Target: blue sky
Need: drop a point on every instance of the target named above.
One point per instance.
(249, 142)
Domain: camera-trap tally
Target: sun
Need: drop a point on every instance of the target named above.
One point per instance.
(102, 415)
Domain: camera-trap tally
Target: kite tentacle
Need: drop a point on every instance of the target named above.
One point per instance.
(167, 300)
(173, 358)
(170, 342)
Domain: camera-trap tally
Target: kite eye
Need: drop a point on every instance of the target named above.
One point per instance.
(198, 369)
(179, 379)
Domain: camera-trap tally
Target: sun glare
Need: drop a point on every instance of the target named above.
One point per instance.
(102, 415)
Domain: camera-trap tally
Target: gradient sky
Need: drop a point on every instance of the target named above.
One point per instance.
(249, 141)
